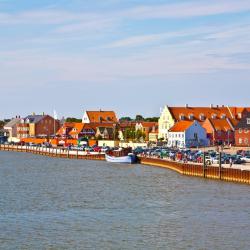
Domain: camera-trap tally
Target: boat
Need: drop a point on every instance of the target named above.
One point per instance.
(120, 156)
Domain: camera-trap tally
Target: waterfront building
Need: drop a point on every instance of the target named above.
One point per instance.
(187, 134)
(11, 128)
(146, 128)
(37, 126)
(220, 131)
(170, 115)
(99, 117)
(242, 131)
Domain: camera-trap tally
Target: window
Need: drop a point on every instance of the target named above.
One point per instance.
(214, 116)
(223, 116)
(202, 117)
(246, 130)
(182, 117)
(248, 121)
(246, 141)
(191, 117)
(240, 131)
(240, 141)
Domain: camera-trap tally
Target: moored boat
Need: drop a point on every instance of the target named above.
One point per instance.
(120, 156)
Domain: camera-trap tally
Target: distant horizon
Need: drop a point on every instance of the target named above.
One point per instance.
(129, 56)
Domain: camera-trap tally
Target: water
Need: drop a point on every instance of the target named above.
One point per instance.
(48, 203)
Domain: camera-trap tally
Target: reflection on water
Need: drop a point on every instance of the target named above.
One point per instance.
(48, 203)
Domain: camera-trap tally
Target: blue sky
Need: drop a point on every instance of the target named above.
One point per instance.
(129, 56)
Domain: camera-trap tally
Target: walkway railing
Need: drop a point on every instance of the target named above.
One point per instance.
(54, 152)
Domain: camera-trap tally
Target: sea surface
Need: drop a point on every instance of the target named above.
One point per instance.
(49, 203)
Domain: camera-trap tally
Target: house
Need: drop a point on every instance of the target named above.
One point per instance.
(11, 128)
(220, 131)
(83, 130)
(170, 115)
(146, 128)
(187, 134)
(242, 131)
(37, 126)
(106, 133)
(65, 129)
(153, 135)
(99, 117)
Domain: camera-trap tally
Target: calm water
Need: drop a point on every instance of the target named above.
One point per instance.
(48, 203)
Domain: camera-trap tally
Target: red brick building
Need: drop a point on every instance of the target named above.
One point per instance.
(219, 131)
(242, 131)
(37, 126)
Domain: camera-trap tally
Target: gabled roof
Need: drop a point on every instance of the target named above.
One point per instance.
(77, 128)
(102, 116)
(12, 123)
(221, 124)
(197, 112)
(181, 126)
(243, 122)
(148, 124)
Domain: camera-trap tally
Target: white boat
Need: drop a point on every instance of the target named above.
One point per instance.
(130, 158)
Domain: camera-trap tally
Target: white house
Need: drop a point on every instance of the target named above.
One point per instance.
(185, 134)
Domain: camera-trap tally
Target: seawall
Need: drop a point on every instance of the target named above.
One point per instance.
(209, 172)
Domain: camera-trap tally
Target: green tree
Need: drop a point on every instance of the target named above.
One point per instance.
(125, 119)
(72, 119)
(139, 118)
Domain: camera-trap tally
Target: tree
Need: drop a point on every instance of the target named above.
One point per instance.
(72, 119)
(125, 119)
(139, 118)
(151, 119)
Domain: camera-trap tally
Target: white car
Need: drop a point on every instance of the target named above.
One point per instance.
(246, 158)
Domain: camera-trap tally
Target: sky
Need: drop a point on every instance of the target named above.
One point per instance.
(130, 56)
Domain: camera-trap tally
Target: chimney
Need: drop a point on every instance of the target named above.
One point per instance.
(33, 113)
(186, 105)
(43, 114)
(211, 106)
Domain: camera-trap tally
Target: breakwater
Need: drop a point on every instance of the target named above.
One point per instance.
(54, 152)
(210, 172)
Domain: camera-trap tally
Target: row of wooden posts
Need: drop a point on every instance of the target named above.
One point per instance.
(201, 170)
(52, 152)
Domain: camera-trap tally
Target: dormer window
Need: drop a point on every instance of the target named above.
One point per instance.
(239, 115)
(182, 117)
(248, 121)
(202, 117)
(223, 116)
(191, 117)
(27, 120)
(214, 116)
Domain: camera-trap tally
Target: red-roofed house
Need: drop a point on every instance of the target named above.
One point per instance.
(99, 117)
(185, 134)
(219, 131)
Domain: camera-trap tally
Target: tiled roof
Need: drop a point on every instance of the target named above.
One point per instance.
(221, 124)
(12, 123)
(198, 112)
(148, 124)
(181, 126)
(77, 128)
(215, 112)
(102, 116)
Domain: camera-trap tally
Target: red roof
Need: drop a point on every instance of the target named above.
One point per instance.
(102, 116)
(181, 126)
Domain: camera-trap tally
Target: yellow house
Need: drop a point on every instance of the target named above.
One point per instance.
(166, 121)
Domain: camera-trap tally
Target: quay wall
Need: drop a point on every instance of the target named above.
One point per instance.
(54, 152)
(210, 172)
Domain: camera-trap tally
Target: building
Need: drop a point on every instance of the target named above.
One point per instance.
(187, 134)
(65, 129)
(242, 131)
(37, 126)
(99, 117)
(219, 131)
(170, 115)
(11, 128)
(146, 128)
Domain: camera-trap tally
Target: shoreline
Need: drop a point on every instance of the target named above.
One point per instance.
(189, 169)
